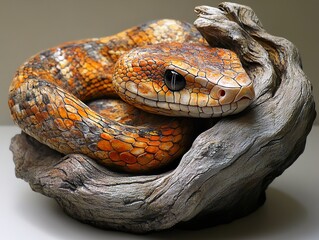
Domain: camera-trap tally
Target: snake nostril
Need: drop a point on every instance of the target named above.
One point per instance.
(221, 93)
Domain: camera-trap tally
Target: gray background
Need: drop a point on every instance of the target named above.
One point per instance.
(29, 26)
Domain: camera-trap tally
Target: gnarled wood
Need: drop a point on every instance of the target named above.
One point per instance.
(225, 173)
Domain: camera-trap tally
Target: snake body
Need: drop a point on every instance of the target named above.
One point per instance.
(163, 67)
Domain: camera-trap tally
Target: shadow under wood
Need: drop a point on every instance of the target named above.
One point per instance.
(280, 214)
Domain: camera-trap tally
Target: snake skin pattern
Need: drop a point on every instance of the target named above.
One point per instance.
(47, 94)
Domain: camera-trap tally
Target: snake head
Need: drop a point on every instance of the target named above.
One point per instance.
(186, 79)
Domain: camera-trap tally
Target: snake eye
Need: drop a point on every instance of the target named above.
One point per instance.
(174, 81)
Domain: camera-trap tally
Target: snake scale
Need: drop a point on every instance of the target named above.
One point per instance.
(163, 67)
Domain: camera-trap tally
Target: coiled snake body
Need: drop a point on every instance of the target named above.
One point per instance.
(163, 67)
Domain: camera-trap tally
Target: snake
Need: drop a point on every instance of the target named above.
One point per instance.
(163, 70)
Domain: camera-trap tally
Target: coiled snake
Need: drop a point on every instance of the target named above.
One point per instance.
(163, 67)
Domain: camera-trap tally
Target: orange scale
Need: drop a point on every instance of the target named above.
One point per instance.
(166, 146)
(104, 145)
(74, 117)
(227, 64)
(136, 69)
(93, 116)
(222, 54)
(45, 115)
(114, 156)
(167, 132)
(142, 63)
(82, 113)
(71, 102)
(95, 64)
(60, 124)
(145, 158)
(230, 73)
(135, 63)
(137, 151)
(177, 131)
(106, 136)
(140, 144)
(154, 138)
(120, 146)
(177, 138)
(162, 156)
(39, 117)
(128, 157)
(174, 149)
(151, 149)
(141, 139)
(92, 76)
(135, 167)
(243, 79)
(68, 123)
(28, 112)
(11, 103)
(154, 143)
(51, 109)
(34, 109)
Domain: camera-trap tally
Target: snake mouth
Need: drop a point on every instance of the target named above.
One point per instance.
(182, 110)
(242, 100)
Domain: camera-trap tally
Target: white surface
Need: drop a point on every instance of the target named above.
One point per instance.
(291, 210)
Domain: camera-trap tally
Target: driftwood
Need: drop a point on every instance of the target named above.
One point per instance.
(225, 173)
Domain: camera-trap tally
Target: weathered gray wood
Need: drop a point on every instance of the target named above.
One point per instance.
(225, 173)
